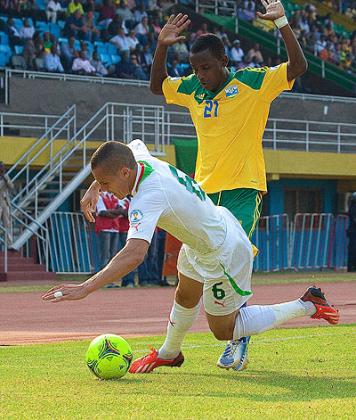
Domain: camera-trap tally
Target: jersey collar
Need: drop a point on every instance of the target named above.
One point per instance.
(139, 175)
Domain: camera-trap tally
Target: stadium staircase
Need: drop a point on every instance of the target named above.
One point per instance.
(67, 152)
(224, 15)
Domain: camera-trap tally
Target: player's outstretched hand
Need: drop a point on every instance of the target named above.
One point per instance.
(89, 201)
(65, 292)
(274, 10)
(175, 25)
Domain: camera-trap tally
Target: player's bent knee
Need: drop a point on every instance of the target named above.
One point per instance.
(222, 335)
(185, 299)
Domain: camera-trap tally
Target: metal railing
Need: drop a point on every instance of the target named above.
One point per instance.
(25, 124)
(4, 245)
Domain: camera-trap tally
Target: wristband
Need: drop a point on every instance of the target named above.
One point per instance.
(280, 22)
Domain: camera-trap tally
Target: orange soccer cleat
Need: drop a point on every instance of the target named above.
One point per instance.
(151, 361)
(323, 309)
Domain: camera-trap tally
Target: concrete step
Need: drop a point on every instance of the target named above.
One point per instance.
(27, 275)
(21, 266)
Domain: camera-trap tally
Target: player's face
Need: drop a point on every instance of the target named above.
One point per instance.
(117, 183)
(211, 71)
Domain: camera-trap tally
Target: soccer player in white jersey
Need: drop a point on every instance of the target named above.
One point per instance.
(215, 261)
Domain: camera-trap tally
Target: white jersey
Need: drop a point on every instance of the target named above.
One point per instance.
(166, 197)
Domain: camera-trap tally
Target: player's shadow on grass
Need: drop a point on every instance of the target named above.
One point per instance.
(287, 387)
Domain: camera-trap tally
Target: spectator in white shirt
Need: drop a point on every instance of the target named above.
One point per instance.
(132, 40)
(236, 53)
(53, 7)
(121, 43)
(52, 62)
(81, 65)
(100, 69)
(27, 31)
(140, 12)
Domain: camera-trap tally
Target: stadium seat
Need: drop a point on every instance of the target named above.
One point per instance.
(5, 49)
(41, 4)
(55, 30)
(106, 59)
(18, 23)
(115, 59)
(18, 62)
(4, 59)
(42, 26)
(18, 49)
(4, 39)
(61, 23)
(111, 49)
(39, 62)
(100, 47)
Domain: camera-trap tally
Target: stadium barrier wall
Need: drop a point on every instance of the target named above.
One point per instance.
(309, 242)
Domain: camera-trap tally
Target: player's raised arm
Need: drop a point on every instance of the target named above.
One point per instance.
(169, 35)
(297, 64)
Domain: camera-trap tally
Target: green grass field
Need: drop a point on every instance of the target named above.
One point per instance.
(294, 373)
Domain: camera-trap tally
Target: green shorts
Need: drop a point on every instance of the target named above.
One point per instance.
(244, 203)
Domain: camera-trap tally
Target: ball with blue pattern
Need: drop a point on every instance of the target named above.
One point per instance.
(109, 356)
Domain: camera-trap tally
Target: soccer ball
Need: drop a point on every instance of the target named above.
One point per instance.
(109, 356)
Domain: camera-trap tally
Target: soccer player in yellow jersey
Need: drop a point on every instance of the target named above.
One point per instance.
(229, 111)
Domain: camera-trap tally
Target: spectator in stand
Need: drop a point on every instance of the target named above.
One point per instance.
(68, 53)
(181, 51)
(84, 50)
(92, 32)
(75, 26)
(48, 41)
(121, 43)
(126, 15)
(115, 25)
(254, 52)
(140, 13)
(246, 10)
(12, 32)
(173, 69)
(142, 30)
(100, 69)
(81, 65)
(89, 6)
(52, 9)
(156, 26)
(202, 30)
(131, 69)
(6, 186)
(107, 13)
(147, 58)
(107, 228)
(27, 31)
(29, 54)
(73, 6)
(129, 280)
(52, 62)
(236, 55)
(132, 40)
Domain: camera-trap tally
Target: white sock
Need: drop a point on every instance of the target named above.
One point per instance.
(257, 319)
(180, 320)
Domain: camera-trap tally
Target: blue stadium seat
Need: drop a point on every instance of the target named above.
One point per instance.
(115, 58)
(106, 59)
(4, 39)
(100, 47)
(55, 30)
(61, 23)
(41, 4)
(4, 59)
(110, 48)
(63, 40)
(18, 49)
(77, 44)
(90, 47)
(5, 50)
(18, 23)
(42, 26)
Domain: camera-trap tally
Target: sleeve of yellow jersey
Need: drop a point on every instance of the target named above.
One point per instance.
(170, 87)
(275, 82)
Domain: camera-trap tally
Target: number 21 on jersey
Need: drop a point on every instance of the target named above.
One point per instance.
(211, 109)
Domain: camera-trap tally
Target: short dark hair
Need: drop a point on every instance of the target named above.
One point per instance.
(114, 155)
(209, 42)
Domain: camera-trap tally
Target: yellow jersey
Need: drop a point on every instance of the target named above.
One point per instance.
(230, 124)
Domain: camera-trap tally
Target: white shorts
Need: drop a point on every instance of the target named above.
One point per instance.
(226, 273)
